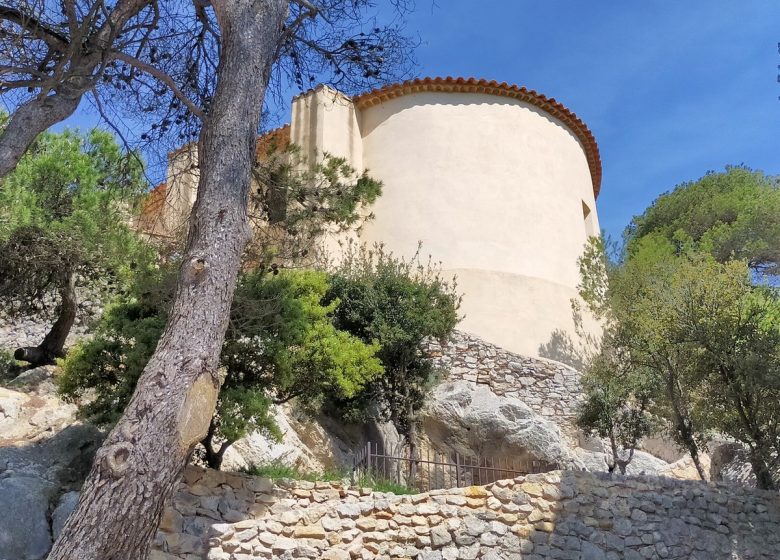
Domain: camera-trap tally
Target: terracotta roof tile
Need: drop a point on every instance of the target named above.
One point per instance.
(474, 85)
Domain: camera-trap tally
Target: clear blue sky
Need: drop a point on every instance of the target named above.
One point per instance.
(670, 88)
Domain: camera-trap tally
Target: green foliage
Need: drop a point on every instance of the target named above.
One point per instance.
(107, 366)
(8, 366)
(278, 470)
(281, 344)
(700, 336)
(294, 202)
(398, 304)
(616, 403)
(379, 484)
(66, 209)
(730, 215)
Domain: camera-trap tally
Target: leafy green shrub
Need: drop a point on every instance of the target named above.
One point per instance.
(280, 345)
(397, 303)
(277, 470)
(8, 366)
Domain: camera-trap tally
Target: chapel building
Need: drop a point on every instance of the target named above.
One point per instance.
(498, 182)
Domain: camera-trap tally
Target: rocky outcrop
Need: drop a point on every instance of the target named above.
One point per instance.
(24, 528)
(460, 417)
(306, 444)
(44, 451)
(549, 388)
(310, 444)
(470, 419)
(570, 514)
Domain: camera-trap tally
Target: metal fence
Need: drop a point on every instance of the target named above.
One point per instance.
(432, 470)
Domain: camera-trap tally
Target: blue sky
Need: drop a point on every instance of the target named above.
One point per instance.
(670, 89)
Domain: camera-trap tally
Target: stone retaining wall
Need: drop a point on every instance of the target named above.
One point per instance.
(550, 388)
(565, 515)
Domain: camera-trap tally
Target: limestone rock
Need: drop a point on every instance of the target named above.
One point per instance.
(24, 528)
(470, 419)
(60, 515)
(305, 444)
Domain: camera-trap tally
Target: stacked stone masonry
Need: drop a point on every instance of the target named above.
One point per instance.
(550, 388)
(559, 515)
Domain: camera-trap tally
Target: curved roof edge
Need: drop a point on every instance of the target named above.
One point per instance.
(474, 85)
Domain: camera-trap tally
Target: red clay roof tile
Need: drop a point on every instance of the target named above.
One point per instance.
(474, 85)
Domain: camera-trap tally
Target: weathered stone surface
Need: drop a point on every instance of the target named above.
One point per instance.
(60, 515)
(463, 417)
(24, 527)
(563, 515)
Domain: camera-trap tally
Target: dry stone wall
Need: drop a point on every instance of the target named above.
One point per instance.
(564, 515)
(550, 388)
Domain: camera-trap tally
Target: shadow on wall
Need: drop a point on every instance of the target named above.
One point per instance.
(601, 516)
(565, 514)
(562, 348)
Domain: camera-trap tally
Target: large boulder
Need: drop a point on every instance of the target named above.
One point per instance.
(311, 444)
(306, 444)
(469, 419)
(44, 451)
(59, 516)
(24, 526)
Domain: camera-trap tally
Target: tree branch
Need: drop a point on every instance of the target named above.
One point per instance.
(161, 77)
(51, 37)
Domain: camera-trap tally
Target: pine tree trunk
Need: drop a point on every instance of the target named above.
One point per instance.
(28, 121)
(53, 345)
(136, 470)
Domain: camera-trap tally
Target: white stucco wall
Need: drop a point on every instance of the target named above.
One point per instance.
(494, 188)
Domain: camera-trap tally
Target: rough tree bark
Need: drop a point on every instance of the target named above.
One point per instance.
(53, 343)
(136, 470)
(682, 423)
(28, 121)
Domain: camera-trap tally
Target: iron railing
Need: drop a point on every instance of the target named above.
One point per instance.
(433, 470)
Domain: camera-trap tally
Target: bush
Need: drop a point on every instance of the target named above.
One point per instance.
(397, 303)
(8, 366)
(281, 345)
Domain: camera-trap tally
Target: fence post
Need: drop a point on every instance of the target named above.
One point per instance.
(457, 470)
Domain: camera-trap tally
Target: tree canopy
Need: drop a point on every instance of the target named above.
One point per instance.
(65, 215)
(684, 316)
(281, 344)
(731, 215)
(397, 303)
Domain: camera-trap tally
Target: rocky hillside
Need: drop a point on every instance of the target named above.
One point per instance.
(490, 404)
(45, 453)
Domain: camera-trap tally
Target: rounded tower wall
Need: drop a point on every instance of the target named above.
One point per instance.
(497, 190)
